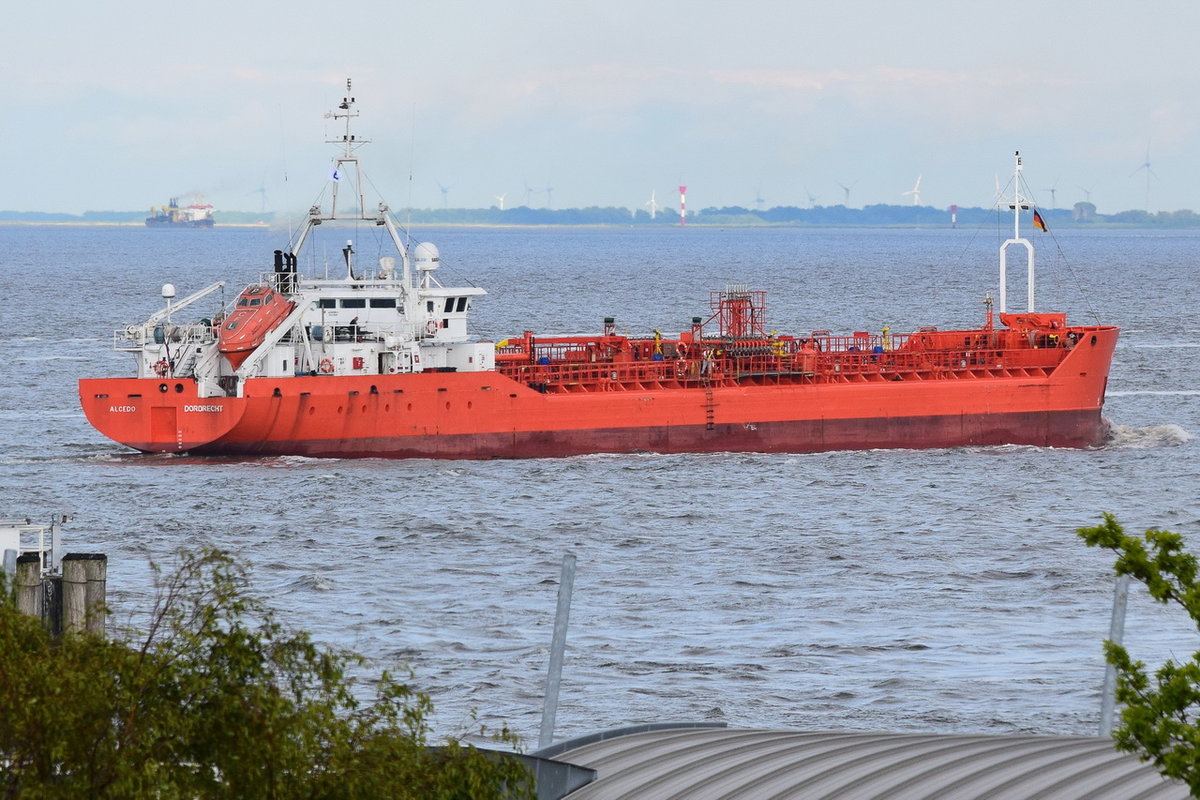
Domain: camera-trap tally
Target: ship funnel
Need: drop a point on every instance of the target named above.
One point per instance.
(426, 257)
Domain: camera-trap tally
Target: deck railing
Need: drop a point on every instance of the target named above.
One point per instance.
(597, 365)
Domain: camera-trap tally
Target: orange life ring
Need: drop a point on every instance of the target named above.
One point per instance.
(431, 327)
(161, 367)
(326, 366)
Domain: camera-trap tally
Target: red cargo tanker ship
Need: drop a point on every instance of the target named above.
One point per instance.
(379, 363)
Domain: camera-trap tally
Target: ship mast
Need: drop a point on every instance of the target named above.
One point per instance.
(1018, 204)
(349, 143)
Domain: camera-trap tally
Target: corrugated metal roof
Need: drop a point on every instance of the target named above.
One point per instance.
(708, 763)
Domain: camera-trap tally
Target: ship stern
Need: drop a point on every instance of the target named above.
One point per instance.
(157, 415)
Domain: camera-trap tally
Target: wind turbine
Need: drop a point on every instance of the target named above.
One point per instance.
(445, 193)
(549, 191)
(847, 189)
(528, 193)
(915, 192)
(758, 199)
(651, 204)
(1149, 172)
(1052, 190)
(812, 198)
(500, 198)
(1087, 194)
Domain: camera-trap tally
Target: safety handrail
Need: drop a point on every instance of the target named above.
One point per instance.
(790, 365)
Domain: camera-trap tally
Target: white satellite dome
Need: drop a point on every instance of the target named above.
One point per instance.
(425, 256)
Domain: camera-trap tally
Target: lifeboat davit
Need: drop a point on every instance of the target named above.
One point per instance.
(257, 312)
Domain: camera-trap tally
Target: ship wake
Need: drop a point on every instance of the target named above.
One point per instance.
(1131, 437)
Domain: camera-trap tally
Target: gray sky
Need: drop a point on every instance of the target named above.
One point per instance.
(118, 106)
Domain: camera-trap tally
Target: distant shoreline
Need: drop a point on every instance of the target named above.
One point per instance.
(13, 223)
(1081, 216)
(1075, 226)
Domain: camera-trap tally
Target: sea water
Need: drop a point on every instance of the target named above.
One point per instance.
(940, 590)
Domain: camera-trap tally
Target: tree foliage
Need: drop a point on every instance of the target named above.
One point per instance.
(216, 699)
(1161, 711)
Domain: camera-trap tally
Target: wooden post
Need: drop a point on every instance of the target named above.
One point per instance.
(52, 604)
(84, 577)
(97, 593)
(29, 584)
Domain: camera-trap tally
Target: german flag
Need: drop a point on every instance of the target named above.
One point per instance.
(1038, 222)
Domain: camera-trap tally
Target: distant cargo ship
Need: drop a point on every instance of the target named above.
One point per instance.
(196, 215)
(379, 362)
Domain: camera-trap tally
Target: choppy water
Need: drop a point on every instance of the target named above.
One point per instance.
(888, 590)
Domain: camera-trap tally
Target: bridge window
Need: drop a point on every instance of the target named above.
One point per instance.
(449, 304)
(328, 302)
(383, 302)
(462, 304)
(353, 302)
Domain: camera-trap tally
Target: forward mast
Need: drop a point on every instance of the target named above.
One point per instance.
(1017, 204)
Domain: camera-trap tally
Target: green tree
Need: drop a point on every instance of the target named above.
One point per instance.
(217, 700)
(1160, 715)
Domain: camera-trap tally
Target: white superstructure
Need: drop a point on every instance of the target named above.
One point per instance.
(384, 315)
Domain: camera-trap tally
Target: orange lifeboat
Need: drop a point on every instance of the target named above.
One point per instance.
(257, 311)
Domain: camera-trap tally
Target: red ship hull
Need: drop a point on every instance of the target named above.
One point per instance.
(488, 415)
(382, 363)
